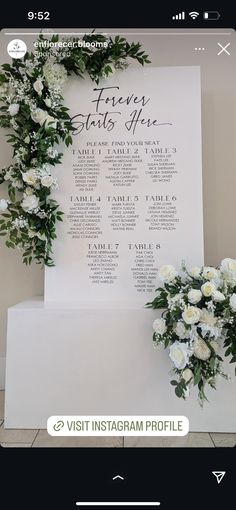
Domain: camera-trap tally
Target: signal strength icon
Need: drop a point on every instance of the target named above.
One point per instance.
(193, 14)
(179, 16)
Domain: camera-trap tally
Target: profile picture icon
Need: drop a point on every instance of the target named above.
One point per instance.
(16, 48)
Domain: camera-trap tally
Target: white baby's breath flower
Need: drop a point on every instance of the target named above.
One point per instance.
(3, 205)
(179, 354)
(16, 183)
(55, 75)
(208, 289)
(176, 300)
(194, 296)
(13, 109)
(191, 314)
(159, 326)
(52, 153)
(20, 222)
(167, 273)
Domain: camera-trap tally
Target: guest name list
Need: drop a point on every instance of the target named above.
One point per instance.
(128, 185)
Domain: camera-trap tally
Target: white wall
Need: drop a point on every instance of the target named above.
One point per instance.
(219, 159)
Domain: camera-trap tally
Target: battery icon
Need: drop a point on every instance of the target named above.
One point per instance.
(211, 15)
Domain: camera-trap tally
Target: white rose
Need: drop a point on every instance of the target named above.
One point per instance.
(38, 87)
(210, 273)
(194, 296)
(228, 265)
(181, 330)
(159, 326)
(228, 270)
(48, 102)
(47, 181)
(3, 205)
(208, 318)
(208, 289)
(201, 350)
(232, 302)
(187, 375)
(167, 273)
(39, 116)
(28, 191)
(55, 75)
(215, 346)
(218, 296)
(179, 354)
(30, 203)
(13, 109)
(30, 177)
(191, 314)
(51, 122)
(195, 272)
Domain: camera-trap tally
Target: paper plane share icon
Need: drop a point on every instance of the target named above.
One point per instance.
(219, 475)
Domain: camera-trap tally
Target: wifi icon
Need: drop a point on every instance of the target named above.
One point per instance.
(194, 14)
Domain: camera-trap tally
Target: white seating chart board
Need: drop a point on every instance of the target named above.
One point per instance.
(130, 186)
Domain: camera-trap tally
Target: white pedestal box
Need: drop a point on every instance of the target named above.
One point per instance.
(65, 360)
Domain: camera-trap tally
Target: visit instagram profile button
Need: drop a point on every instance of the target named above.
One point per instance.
(117, 425)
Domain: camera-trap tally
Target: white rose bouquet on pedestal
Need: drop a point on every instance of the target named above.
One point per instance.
(197, 322)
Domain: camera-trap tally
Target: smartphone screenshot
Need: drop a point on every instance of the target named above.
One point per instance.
(118, 258)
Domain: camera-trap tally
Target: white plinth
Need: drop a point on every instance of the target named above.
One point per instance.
(79, 361)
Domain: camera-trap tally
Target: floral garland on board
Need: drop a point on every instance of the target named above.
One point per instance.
(199, 318)
(31, 93)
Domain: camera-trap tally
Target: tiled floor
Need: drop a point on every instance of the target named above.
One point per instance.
(40, 438)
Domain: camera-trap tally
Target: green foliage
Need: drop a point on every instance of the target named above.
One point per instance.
(33, 231)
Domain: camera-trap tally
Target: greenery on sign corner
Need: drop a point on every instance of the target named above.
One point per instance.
(197, 323)
(32, 108)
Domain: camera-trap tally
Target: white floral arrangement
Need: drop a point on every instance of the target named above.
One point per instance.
(197, 324)
(31, 94)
